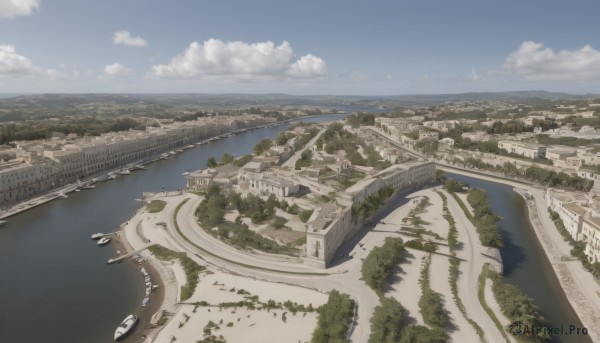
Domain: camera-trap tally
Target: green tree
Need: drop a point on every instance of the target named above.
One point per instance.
(211, 162)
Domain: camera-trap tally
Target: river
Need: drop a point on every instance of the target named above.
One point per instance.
(525, 262)
(55, 284)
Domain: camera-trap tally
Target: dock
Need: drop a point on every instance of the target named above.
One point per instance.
(122, 257)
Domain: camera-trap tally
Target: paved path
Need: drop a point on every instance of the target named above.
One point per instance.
(470, 270)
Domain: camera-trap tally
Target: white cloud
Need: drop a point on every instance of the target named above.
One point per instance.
(13, 8)
(240, 61)
(117, 71)
(13, 64)
(358, 75)
(55, 74)
(125, 38)
(473, 75)
(535, 62)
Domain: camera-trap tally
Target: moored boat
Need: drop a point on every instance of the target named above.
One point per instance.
(125, 327)
(97, 235)
(104, 241)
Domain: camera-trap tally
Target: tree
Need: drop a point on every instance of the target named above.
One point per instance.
(388, 321)
(211, 162)
(262, 146)
(281, 138)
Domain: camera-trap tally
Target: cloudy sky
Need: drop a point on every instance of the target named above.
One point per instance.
(299, 47)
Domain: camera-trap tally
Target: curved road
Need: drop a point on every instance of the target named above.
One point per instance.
(347, 280)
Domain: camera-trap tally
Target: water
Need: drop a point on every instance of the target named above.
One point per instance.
(55, 285)
(525, 262)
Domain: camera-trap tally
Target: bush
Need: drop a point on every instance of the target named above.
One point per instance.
(388, 321)
(334, 317)
(378, 265)
(279, 222)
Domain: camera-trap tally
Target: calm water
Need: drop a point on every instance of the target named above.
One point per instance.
(55, 285)
(525, 263)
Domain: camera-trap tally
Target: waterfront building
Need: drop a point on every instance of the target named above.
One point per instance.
(63, 159)
(530, 150)
(591, 236)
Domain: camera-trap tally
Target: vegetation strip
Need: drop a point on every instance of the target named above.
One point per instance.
(378, 265)
(518, 307)
(483, 218)
(191, 268)
(430, 303)
(481, 295)
(334, 317)
(155, 206)
(228, 260)
(454, 264)
(389, 324)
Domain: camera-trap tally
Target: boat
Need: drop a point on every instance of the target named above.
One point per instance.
(141, 167)
(104, 241)
(179, 151)
(112, 175)
(124, 172)
(2, 222)
(164, 156)
(97, 235)
(89, 187)
(125, 327)
(172, 153)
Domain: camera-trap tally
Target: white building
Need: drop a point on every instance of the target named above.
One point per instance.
(529, 150)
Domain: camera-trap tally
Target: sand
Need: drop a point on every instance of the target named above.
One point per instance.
(258, 325)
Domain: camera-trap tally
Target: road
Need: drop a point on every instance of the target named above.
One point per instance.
(470, 270)
(345, 277)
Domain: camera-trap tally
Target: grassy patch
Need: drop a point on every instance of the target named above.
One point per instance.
(155, 206)
(178, 229)
(191, 268)
(481, 295)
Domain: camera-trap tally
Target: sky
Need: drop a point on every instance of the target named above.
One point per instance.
(326, 47)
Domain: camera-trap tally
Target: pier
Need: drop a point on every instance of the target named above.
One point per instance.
(122, 257)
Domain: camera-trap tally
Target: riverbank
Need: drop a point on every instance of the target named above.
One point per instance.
(146, 313)
(62, 191)
(579, 287)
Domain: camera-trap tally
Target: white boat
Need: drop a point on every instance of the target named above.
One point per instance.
(97, 235)
(89, 187)
(125, 172)
(125, 327)
(172, 153)
(179, 150)
(2, 222)
(104, 241)
(112, 175)
(164, 156)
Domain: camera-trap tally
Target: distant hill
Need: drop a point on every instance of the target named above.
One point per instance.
(38, 106)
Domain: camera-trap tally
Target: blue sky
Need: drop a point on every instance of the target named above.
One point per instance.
(299, 47)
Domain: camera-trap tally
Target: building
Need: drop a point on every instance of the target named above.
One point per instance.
(530, 150)
(38, 166)
(200, 179)
(329, 227)
(428, 135)
(560, 153)
(590, 232)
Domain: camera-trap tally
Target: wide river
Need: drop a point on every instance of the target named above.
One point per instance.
(55, 285)
(525, 262)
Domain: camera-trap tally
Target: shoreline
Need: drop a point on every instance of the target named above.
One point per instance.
(572, 289)
(144, 327)
(53, 194)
